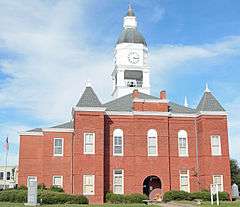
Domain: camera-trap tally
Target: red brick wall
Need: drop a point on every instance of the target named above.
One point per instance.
(89, 164)
(36, 153)
(148, 106)
(36, 159)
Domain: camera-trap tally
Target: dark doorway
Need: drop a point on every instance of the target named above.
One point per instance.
(150, 183)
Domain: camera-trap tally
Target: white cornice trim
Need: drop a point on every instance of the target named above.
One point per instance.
(76, 108)
(151, 100)
(31, 133)
(183, 115)
(151, 113)
(119, 113)
(156, 113)
(213, 113)
(58, 130)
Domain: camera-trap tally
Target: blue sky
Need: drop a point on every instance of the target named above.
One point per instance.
(48, 49)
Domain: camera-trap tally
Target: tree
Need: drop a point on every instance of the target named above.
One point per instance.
(235, 172)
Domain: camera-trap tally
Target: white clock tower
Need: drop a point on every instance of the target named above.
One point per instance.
(131, 69)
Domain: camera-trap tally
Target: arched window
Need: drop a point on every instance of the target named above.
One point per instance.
(152, 142)
(118, 142)
(182, 143)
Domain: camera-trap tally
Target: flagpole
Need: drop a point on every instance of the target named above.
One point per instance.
(6, 161)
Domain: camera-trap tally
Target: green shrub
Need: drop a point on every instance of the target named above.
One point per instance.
(202, 195)
(44, 196)
(51, 197)
(22, 187)
(176, 195)
(14, 196)
(56, 189)
(130, 198)
(223, 196)
(115, 198)
(135, 198)
(41, 186)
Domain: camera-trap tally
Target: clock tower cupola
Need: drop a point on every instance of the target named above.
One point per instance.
(131, 70)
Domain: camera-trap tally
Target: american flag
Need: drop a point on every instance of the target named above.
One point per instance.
(6, 144)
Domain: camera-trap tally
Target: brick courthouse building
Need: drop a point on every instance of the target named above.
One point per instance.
(134, 143)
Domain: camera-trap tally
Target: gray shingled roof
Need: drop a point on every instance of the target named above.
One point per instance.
(125, 104)
(209, 103)
(35, 130)
(131, 35)
(89, 99)
(64, 125)
(176, 108)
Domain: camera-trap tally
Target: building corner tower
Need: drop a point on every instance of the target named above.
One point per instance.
(131, 70)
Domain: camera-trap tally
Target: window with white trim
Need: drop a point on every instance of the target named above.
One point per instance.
(152, 142)
(118, 142)
(88, 184)
(182, 143)
(89, 143)
(58, 147)
(216, 145)
(118, 181)
(57, 181)
(218, 180)
(184, 180)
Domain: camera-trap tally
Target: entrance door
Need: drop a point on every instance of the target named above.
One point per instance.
(150, 183)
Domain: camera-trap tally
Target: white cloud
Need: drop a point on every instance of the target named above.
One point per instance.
(52, 63)
(168, 57)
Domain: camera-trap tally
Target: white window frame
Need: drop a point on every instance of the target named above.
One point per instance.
(152, 133)
(58, 155)
(93, 144)
(118, 133)
(222, 186)
(115, 175)
(219, 146)
(188, 178)
(53, 178)
(182, 134)
(84, 184)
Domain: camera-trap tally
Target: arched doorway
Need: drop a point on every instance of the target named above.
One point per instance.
(150, 183)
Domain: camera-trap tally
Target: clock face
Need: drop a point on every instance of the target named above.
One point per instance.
(133, 57)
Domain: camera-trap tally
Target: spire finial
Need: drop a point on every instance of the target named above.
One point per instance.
(88, 83)
(130, 10)
(206, 88)
(185, 102)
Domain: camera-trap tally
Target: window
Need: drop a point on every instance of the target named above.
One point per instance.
(89, 143)
(88, 184)
(152, 143)
(58, 147)
(118, 142)
(8, 175)
(1, 175)
(218, 180)
(184, 181)
(182, 143)
(58, 181)
(216, 145)
(118, 181)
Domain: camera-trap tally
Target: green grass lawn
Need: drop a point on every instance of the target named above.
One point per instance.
(75, 205)
(207, 204)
